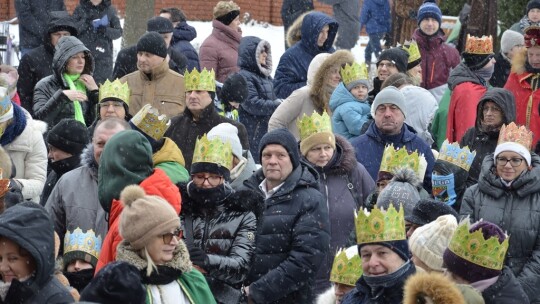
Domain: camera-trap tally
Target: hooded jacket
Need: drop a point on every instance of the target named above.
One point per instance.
(506, 290)
(467, 89)
(375, 16)
(421, 108)
(348, 113)
(28, 225)
(515, 210)
(292, 69)
(37, 63)
(33, 17)
(99, 41)
(485, 142)
(50, 103)
(256, 110)
(183, 34)
(292, 240)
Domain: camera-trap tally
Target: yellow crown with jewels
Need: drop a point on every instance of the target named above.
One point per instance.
(316, 123)
(393, 159)
(150, 122)
(479, 46)
(454, 154)
(516, 134)
(82, 241)
(200, 81)
(473, 247)
(380, 226)
(213, 151)
(347, 267)
(115, 89)
(412, 48)
(353, 72)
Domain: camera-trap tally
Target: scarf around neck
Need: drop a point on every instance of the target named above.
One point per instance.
(75, 84)
(15, 127)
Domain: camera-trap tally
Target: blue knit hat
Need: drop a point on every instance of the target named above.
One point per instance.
(283, 138)
(400, 247)
(429, 9)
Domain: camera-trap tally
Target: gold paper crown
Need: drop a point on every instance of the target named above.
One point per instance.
(150, 122)
(380, 226)
(315, 123)
(115, 89)
(454, 154)
(79, 241)
(412, 48)
(347, 267)
(213, 151)
(513, 133)
(200, 81)
(473, 247)
(479, 46)
(393, 159)
(350, 73)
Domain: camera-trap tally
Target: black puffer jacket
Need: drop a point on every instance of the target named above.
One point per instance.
(485, 142)
(99, 41)
(506, 290)
(225, 231)
(28, 225)
(50, 103)
(517, 211)
(183, 34)
(292, 240)
(501, 72)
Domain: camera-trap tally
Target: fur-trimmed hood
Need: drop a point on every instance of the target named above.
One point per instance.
(294, 33)
(248, 55)
(180, 259)
(518, 62)
(432, 286)
(88, 159)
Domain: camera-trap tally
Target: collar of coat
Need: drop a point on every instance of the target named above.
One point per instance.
(180, 259)
(158, 72)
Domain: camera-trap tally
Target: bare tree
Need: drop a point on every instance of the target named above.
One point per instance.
(137, 12)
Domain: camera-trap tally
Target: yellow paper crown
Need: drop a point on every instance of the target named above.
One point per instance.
(513, 133)
(393, 159)
(380, 226)
(150, 122)
(412, 48)
(213, 151)
(347, 267)
(473, 247)
(315, 123)
(453, 153)
(200, 81)
(82, 241)
(115, 89)
(350, 73)
(479, 46)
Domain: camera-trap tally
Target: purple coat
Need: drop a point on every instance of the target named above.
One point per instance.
(220, 51)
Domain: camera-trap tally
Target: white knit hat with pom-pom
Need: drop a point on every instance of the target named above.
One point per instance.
(145, 217)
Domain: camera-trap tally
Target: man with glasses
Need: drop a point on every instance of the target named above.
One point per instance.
(391, 61)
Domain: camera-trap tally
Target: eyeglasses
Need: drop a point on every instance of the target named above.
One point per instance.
(116, 104)
(486, 109)
(388, 65)
(514, 162)
(167, 237)
(213, 180)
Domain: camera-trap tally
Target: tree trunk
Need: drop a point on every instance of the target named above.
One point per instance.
(137, 13)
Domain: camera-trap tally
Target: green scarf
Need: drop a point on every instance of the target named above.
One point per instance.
(75, 84)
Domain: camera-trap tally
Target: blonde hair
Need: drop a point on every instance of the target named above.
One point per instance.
(150, 263)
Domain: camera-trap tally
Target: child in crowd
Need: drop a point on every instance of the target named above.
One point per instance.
(349, 102)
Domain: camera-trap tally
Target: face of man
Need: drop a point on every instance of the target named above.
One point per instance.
(146, 62)
(429, 26)
(533, 56)
(492, 115)
(196, 101)
(323, 35)
(56, 154)
(386, 68)
(167, 37)
(101, 136)
(57, 35)
(389, 119)
(276, 165)
(379, 260)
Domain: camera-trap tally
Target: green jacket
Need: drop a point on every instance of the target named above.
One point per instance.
(438, 126)
(194, 286)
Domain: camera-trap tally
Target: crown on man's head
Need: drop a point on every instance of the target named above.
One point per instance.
(454, 154)
(347, 267)
(87, 242)
(316, 123)
(380, 226)
(115, 89)
(213, 151)
(353, 72)
(512, 133)
(200, 81)
(479, 46)
(150, 122)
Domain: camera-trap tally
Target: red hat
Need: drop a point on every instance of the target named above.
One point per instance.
(532, 36)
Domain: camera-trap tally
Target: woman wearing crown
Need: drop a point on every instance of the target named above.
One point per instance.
(507, 195)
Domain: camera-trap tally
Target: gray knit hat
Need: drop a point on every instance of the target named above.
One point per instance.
(402, 189)
(390, 95)
(510, 39)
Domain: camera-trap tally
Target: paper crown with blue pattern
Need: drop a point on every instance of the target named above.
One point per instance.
(454, 154)
(6, 107)
(79, 245)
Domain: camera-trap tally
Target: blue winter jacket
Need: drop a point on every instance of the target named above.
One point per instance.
(370, 146)
(291, 72)
(256, 111)
(348, 113)
(376, 17)
(182, 35)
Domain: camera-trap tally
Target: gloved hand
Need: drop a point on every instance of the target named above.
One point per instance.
(198, 257)
(103, 22)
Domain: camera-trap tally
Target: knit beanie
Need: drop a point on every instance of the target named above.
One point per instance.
(391, 95)
(69, 135)
(285, 139)
(316, 139)
(400, 247)
(152, 43)
(397, 56)
(428, 210)
(467, 270)
(402, 189)
(160, 25)
(234, 89)
(226, 11)
(429, 242)
(227, 133)
(145, 217)
(429, 9)
(510, 39)
(476, 61)
(533, 4)
(514, 147)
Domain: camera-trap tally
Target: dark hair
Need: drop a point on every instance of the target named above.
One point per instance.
(176, 14)
(397, 80)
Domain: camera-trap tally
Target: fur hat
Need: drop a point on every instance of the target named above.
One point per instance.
(402, 189)
(152, 43)
(285, 139)
(429, 242)
(391, 95)
(428, 210)
(429, 9)
(145, 217)
(227, 133)
(234, 89)
(397, 56)
(159, 24)
(226, 11)
(510, 39)
(433, 286)
(69, 135)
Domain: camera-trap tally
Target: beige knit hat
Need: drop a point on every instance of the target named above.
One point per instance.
(429, 241)
(145, 217)
(224, 7)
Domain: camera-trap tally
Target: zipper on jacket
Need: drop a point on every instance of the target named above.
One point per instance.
(205, 233)
(326, 188)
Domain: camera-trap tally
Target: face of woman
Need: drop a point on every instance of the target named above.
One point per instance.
(378, 260)
(333, 77)
(75, 64)
(78, 265)
(161, 249)
(510, 165)
(320, 154)
(207, 180)
(15, 262)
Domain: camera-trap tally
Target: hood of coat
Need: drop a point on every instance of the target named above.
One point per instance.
(248, 55)
(341, 96)
(65, 48)
(518, 62)
(60, 20)
(232, 37)
(88, 159)
(180, 260)
(29, 225)
(183, 32)
(433, 286)
(343, 161)
(462, 74)
(246, 173)
(504, 99)
(312, 25)
(294, 33)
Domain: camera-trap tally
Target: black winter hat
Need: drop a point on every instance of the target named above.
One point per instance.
(234, 89)
(533, 4)
(283, 138)
(428, 210)
(397, 56)
(160, 25)
(69, 135)
(152, 43)
(476, 61)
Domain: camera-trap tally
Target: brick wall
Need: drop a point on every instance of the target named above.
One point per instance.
(262, 10)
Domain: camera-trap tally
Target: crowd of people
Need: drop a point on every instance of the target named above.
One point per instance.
(177, 175)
